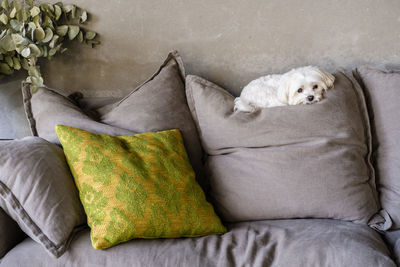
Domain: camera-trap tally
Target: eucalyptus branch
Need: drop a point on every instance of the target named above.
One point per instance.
(29, 31)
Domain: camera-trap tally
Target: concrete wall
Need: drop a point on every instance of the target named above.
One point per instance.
(228, 42)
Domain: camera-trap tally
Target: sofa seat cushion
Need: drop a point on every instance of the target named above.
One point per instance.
(307, 242)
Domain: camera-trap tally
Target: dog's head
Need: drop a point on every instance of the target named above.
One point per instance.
(305, 85)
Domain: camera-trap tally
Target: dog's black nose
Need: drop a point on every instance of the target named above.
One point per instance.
(310, 98)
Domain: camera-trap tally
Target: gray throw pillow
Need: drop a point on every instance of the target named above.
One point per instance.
(382, 88)
(288, 162)
(158, 104)
(38, 192)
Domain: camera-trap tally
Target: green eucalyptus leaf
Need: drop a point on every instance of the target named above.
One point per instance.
(34, 11)
(34, 77)
(90, 35)
(17, 5)
(13, 13)
(49, 9)
(54, 41)
(24, 63)
(45, 51)
(73, 31)
(80, 37)
(26, 52)
(4, 19)
(35, 51)
(83, 17)
(48, 35)
(53, 51)
(5, 69)
(4, 5)
(9, 61)
(47, 22)
(32, 25)
(39, 34)
(18, 16)
(57, 12)
(7, 43)
(34, 89)
(34, 71)
(37, 81)
(19, 39)
(17, 63)
(62, 30)
(36, 20)
(15, 25)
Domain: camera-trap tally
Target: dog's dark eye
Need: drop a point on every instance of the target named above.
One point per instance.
(300, 90)
(315, 87)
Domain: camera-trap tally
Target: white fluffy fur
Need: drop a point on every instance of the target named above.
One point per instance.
(283, 89)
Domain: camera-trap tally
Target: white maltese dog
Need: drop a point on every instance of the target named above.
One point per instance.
(305, 85)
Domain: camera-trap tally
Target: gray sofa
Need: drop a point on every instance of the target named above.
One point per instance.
(319, 226)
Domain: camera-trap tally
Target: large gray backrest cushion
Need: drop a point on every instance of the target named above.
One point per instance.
(158, 104)
(288, 162)
(382, 88)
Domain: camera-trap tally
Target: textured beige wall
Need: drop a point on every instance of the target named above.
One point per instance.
(228, 42)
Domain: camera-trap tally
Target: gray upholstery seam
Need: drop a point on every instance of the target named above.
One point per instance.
(27, 96)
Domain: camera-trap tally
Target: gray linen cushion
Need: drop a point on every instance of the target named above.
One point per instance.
(38, 192)
(10, 233)
(288, 162)
(276, 243)
(158, 104)
(382, 88)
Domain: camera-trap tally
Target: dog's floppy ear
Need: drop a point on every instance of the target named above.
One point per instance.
(326, 78)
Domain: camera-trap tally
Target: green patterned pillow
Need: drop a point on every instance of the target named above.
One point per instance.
(138, 186)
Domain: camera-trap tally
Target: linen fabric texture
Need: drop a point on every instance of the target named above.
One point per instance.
(38, 192)
(382, 88)
(289, 243)
(158, 104)
(138, 186)
(304, 161)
